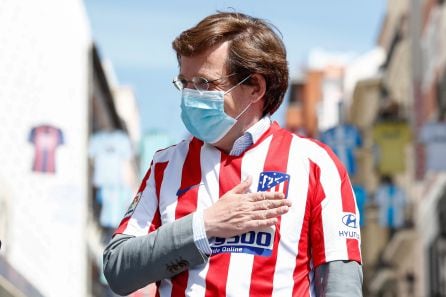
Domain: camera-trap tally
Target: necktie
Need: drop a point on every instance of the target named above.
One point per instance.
(241, 144)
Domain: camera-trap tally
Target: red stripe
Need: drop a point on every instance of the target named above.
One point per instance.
(122, 225)
(348, 204)
(315, 196)
(285, 188)
(187, 202)
(159, 174)
(301, 272)
(38, 161)
(158, 283)
(52, 150)
(217, 275)
(142, 186)
(263, 267)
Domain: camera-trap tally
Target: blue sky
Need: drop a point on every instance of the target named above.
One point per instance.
(136, 36)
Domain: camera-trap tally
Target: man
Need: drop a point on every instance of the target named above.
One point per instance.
(243, 208)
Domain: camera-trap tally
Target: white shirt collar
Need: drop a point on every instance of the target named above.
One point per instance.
(259, 128)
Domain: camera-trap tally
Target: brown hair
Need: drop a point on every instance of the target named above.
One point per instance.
(254, 48)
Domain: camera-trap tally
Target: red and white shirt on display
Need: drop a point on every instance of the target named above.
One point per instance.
(321, 226)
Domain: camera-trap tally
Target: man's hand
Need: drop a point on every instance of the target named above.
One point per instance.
(237, 211)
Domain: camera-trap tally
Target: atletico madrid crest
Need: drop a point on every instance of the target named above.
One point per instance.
(132, 207)
(273, 181)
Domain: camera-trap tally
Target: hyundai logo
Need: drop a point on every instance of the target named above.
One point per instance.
(349, 220)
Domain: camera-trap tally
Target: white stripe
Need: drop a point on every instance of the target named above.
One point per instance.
(172, 182)
(240, 265)
(144, 211)
(335, 246)
(239, 275)
(165, 288)
(196, 284)
(210, 168)
(169, 187)
(292, 222)
(208, 193)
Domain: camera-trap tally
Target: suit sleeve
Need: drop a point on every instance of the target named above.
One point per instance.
(339, 279)
(142, 250)
(132, 262)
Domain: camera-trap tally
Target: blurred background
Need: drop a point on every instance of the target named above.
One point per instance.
(86, 99)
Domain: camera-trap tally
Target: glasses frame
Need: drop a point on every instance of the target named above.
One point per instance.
(181, 84)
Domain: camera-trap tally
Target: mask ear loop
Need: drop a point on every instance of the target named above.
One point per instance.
(244, 110)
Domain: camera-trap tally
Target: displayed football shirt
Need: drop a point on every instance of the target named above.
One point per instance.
(46, 139)
(114, 201)
(433, 135)
(343, 140)
(151, 142)
(361, 201)
(391, 139)
(274, 261)
(109, 151)
(391, 201)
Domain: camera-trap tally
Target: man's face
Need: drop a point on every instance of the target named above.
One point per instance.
(211, 65)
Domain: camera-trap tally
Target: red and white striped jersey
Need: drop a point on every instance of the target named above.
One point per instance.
(321, 226)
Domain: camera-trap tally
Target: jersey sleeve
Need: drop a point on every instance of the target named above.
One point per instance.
(32, 135)
(334, 224)
(142, 215)
(60, 137)
(358, 137)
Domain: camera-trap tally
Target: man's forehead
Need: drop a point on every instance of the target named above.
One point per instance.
(210, 62)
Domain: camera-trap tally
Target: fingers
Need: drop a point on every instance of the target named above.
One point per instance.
(265, 218)
(260, 224)
(242, 187)
(239, 212)
(270, 213)
(259, 196)
(270, 204)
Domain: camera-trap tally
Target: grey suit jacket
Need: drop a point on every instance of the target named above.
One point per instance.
(132, 262)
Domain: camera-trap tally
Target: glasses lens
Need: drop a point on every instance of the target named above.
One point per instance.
(200, 83)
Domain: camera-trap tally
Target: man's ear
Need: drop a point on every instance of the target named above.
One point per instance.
(257, 87)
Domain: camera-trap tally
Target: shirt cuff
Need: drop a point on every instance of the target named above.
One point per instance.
(200, 238)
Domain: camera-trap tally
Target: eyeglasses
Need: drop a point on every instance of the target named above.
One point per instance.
(199, 83)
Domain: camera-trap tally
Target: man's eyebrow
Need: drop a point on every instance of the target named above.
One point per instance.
(208, 76)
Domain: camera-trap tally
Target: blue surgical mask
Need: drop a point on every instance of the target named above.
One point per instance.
(204, 116)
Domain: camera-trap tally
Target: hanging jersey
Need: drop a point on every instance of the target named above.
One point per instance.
(433, 135)
(46, 139)
(361, 201)
(151, 142)
(343, 140)
(391, 138)
(391, 201)
(114, 201)
(321, 226)
(109, 151)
